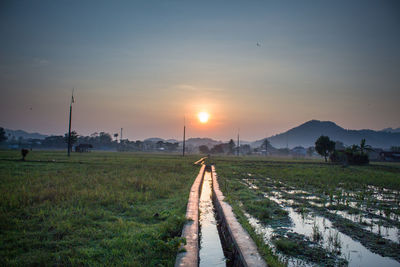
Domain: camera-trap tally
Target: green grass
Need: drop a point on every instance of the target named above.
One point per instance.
(287, 246)
(108, 209)
(315, 174)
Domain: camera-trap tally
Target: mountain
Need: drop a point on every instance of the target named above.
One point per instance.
(25, 135)
(391, 130)
(153, 139)
(190, 142)
(202, 141)
(307, 133)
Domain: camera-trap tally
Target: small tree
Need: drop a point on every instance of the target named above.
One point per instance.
(364, 147)
(324, 146)
(217, 149)
(3, 136)
(265, 145)
(204, 149)
(116, 137)
(357, 154)
(231, 146)
(74, 138)
(24, 152)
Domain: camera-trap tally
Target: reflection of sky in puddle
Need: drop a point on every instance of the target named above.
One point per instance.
(250, 184)
(317, 204)
(295, 191)
(267, 232)
(352, 250)
(305, 224)
(374, 225)
(211, 253)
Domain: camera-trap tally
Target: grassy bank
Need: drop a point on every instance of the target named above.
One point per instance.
(92, 209)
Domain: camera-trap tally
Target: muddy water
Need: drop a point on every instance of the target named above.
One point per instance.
(211, 252)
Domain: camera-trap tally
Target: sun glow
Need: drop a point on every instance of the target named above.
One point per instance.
(203, 116)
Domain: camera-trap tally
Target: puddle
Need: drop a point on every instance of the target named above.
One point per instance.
(267, 233)
(250, 184)
(211, 252)
(373, 225)
(332, 240)
(310, 224)
(296, 191)
(345, 198)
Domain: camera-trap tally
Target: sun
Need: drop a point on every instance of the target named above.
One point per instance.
(203, 116)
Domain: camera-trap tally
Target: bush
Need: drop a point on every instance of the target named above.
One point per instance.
(357, 158)
(349, 156)
(338, 156)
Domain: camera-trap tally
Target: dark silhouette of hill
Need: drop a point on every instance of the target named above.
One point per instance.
(25, 135)
(153, 139)
(303, 135)
(306, 134)
(391, 130)
(202, 141)
(190, 141)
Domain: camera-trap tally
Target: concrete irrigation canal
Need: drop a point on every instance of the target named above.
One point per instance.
(213, 235)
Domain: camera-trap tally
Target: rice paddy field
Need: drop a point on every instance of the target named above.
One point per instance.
(113, 209)
(94, 209)
(308, 213)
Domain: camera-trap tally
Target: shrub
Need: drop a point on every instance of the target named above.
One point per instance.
(357, 158)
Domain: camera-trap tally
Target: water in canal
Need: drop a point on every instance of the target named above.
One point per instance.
(211, 252)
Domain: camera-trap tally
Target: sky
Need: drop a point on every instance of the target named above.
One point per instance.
(259, 66)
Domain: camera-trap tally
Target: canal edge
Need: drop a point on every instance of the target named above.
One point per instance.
(189, 255)
(245, 251)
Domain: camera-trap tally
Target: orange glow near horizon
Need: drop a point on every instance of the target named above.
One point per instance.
(203, 116)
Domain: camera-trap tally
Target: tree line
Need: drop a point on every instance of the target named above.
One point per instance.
(99, 141)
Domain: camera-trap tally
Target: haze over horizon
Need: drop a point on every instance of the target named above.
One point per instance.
(263, 67)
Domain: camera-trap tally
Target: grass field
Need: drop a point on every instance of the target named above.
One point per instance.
(99, 209)
(309, 212)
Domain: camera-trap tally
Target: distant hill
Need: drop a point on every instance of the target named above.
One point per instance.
(202, 141)
(306, 134)
(25, 135)
(153, 139)
(391, 130)
(195, 142)
(172, 141)
(303, 135)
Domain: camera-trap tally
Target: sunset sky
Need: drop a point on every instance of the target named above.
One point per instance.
(261, 66)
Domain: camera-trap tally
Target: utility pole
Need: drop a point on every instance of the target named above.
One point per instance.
(184, 137)
(120, 137)
(69, 128)
(238, 143)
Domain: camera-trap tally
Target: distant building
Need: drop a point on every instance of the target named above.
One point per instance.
(390, 156)
(83, 148)
(375, 154)
(299, 151)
